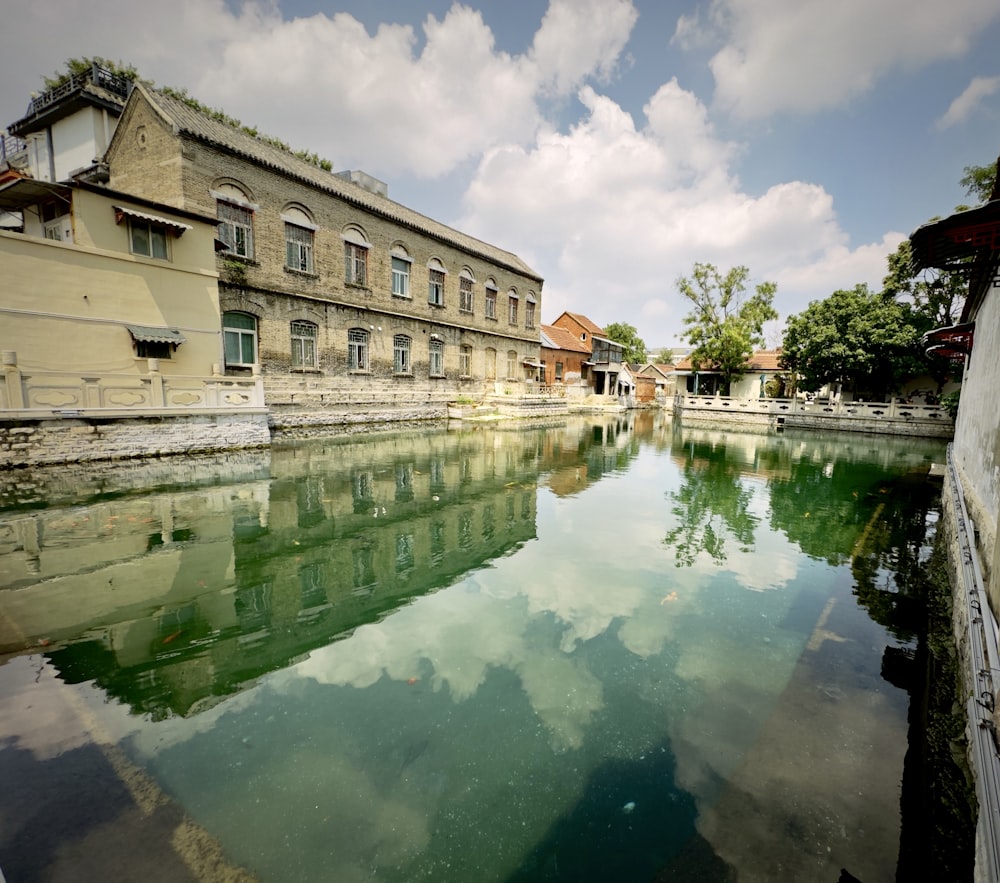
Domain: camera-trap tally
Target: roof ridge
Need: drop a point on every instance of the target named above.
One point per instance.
(202, 126)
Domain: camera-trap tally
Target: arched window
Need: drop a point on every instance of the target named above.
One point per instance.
(512, 301)
(465, 360)
(491, 299)
(357, 349)
(511, 364)
(239, 336)
(435, 282)
(401, 354)
(235, 212)
(303, 345)
(356, 246)
(400, 271)
(300, 233)
(465, 283)
(436, 357)
(529, 310)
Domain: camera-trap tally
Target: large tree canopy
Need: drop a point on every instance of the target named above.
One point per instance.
(725, 325)
(863, 339)
(979, 181)
(633, 346)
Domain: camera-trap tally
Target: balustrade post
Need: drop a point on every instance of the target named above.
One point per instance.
(92, 391)
(157, 399)
(13, 380)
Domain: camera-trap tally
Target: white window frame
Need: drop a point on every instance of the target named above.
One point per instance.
(512, 302)
(491, 302)
(401, 347)
(299, 242)
(435, 358)
(242, 336)
(529, 311)
(303, 337)
(155, 235)
(236, 227)
(400, 276)
(465, 360)
(355, 264)
(435, 286)
(357, 349)
(465, 297)
(512, 364)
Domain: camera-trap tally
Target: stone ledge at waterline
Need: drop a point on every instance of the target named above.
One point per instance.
(79, 440)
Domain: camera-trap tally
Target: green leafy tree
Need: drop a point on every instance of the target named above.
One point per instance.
(633, 346)
(865, 340)
(936, 298)
(979, 181)
(74, 66)
(726, 324)
(666, 356)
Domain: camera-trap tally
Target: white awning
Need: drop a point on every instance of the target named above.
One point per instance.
(175, 227)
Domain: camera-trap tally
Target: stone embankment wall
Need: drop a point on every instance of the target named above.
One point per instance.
(310, 423)
(80, 440)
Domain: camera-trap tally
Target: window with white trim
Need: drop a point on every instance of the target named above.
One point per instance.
(239, 335)
(401, 354)
(303, 345)
(491, 301)
(512, 300)
(148, 240)
(435, 283)
(299, 247)
(355, 257)
(357, 349)
(465, 360)
(400, 273)
(465, 292)
(436, 358)
(529, 310)
(511, 365)
(236, 228)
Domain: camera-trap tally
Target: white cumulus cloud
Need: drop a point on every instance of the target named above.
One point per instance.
(810, 55)
(969, 101)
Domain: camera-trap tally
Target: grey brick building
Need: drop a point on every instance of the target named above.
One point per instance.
(325, 282)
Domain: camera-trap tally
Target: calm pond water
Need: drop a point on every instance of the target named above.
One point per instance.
(605, 650)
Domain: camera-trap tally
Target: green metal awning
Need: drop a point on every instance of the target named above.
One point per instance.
(155, 335)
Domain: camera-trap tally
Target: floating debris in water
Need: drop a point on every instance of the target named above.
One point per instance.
(629, 807)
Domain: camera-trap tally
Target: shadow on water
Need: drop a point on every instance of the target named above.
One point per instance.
(70, 817)
(631, 823)
(899, 568)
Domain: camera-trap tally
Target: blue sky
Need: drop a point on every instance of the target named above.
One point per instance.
(609, 143)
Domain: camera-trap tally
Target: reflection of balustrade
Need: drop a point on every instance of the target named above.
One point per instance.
(62, 394)
(883, 411)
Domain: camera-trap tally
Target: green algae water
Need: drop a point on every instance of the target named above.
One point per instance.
(610, 649)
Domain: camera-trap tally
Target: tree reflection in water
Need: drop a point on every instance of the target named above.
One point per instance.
(712, 502)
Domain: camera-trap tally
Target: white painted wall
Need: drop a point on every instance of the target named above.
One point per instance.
(977, 428)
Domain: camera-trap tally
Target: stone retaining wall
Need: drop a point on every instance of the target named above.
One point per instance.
(81, 440)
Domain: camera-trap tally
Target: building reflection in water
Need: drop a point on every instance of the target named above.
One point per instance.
(173, 597)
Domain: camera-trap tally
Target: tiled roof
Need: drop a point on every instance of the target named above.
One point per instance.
(565, 340)
(765, 360)
(761, 360)
(592, 327)
(198, 125)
